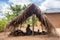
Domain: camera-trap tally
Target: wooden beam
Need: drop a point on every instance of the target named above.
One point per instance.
(33, 18)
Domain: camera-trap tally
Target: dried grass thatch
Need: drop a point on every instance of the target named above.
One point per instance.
(29, 11)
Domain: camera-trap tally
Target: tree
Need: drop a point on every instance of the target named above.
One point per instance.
(17, 9)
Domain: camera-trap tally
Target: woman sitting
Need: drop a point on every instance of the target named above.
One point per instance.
(28, 30)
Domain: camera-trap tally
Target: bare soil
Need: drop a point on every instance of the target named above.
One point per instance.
(4, 36)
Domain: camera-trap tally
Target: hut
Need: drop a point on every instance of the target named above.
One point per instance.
(32, 9)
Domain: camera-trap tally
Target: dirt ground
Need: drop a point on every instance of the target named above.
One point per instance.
(38, 37)
(4, 36)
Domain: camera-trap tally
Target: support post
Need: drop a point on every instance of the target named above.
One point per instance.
(20, 26)
(33, 18)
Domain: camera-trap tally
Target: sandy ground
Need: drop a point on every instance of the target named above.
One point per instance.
(4, 36)
(39, 37)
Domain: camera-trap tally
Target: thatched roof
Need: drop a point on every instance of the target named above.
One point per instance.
(29, 11)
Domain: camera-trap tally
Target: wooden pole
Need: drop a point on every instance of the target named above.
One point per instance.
(20, 26)
(33, 18)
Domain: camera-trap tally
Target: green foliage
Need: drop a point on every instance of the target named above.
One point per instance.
(17, 9)
(3, 22)
(32, 20)
(9, 17)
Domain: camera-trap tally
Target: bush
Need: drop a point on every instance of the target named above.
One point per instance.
(3, 22)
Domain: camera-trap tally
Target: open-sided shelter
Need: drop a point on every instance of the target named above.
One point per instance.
(32, 9)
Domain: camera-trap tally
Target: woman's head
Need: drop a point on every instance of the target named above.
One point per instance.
(28, 25)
